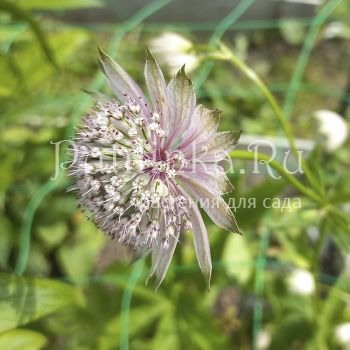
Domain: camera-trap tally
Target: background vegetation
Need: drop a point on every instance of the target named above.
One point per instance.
(79, 289)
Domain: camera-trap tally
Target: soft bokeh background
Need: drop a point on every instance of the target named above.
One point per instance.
(279, 286)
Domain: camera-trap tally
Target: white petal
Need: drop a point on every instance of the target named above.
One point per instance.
(216, 182)
(200, 239)
(172, 42)
(182, 102)
(201, 243)
(156, 86)
(161, 257)
(333, 127)
(216, 208)
(121, 82)
(219, 146)
(204, 123)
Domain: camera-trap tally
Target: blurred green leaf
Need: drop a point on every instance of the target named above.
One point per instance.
(314, 162)
(340, 192)
(6, 239)
(293, 330)
(292, 31)
(247, 216)
(35, 72)
(26, 299)
(26, 16)
(165, 337)
(57, 4)
(22, 339)
(78, 256)
(238, 258)
(331, 308)
(52, 235)
(140, 319)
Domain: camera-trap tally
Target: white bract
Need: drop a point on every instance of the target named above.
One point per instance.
(333, 127)
(140, 166)
(263, 340)
(174, 51)
(301, 282)
(342, 334)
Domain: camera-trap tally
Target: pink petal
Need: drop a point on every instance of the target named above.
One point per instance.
(204, 123)
(161, 257)
(209, 175)
(216, 208)
(219, 146)
(123, 86)
(156, 87)
(182, 102)
(200, 240)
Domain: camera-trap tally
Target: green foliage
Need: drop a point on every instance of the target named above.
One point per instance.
(23, 300)
(57, 4)
(238, 258)
(44, 64)
(22, 339)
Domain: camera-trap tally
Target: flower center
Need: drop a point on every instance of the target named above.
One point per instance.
(125, 179)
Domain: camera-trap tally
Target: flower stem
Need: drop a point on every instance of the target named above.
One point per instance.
(226, 54)
(238, 154)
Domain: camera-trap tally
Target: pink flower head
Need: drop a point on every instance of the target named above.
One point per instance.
(140, 167)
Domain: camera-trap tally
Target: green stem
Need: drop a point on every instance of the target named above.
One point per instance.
(228, 55)
(238, 154)
(126, 304)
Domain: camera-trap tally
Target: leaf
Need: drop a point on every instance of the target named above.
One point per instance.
(140, 320)
(6, 241)
(165, 337)
(340, 193)
(23, 300)
(78, 257)
(237, 258)
(332, 307)
(340, 230)
(244, 213)
(26, 16)
(58, 4)
(293, 329)
(22, 339)
(292, 31)
(52, 235)
(314, 161)
(65, 45)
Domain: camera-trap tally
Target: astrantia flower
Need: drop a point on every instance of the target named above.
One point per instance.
(173, 50)
(301, 282)
(139, 166)
(333, 127)
(342, 334)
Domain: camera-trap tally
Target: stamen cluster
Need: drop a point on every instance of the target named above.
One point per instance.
(122, 178)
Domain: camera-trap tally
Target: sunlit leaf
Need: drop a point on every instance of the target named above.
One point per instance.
(22, 339)
(140, 319)
(78, 256)
(238, 258)
(26, 299)
(58, 4)
(26, 16)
